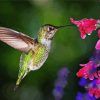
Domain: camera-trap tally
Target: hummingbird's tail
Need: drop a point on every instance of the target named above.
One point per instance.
(24, 69)
(21, 75)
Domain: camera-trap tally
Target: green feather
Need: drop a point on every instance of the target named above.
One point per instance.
(38, 56)
(23, 71)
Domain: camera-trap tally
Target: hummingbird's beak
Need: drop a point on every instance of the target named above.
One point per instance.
(64, 26)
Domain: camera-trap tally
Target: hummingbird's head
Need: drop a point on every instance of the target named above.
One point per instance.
(48, 31)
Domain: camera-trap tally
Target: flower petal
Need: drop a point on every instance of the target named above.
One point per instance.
(86, 26)
(98, 45)
(99, 33)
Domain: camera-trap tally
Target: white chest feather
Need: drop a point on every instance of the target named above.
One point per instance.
(47, 44)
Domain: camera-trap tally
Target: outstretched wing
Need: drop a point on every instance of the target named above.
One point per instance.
(16, 39)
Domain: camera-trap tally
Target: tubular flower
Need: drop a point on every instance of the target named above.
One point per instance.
(94, 92)
(99, 33)
(86, 26)
(98, 45)
(89, 70)
(98, 42)
(94, 88)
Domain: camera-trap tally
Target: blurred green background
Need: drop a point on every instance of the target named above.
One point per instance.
(68, 49)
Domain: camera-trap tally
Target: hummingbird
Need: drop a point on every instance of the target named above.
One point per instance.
(34, 51)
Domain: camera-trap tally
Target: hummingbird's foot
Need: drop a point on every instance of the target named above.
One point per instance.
(16, 87)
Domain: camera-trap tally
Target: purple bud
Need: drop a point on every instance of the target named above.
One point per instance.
(60, 83)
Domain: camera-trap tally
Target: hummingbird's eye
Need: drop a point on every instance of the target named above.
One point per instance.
(50, 29)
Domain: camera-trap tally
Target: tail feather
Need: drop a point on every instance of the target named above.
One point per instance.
(21, 76)
(24, 63)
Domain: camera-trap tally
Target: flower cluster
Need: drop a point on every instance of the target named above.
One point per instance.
(91, 86)
(60, 83)
(84, 96)
(90, 72)
(94, 88)
(86, 26)
(91, 76)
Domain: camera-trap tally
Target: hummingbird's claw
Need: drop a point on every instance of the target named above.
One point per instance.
(15, 88)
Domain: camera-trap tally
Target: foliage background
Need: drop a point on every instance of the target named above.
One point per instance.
(68, 49)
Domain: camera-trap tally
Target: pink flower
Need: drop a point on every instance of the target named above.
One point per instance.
(86, 26)
(99, 33)
(98, 42)
(94, 88)
(98, 45)
(88, 71)
(94, 92)
(98, 80)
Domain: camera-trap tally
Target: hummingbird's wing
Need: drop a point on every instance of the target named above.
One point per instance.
(16, 39)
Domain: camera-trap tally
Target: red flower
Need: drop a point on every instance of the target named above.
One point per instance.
(88, 71)
(86, 26)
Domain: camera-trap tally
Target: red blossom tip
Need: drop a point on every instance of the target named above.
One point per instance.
(86, 26)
